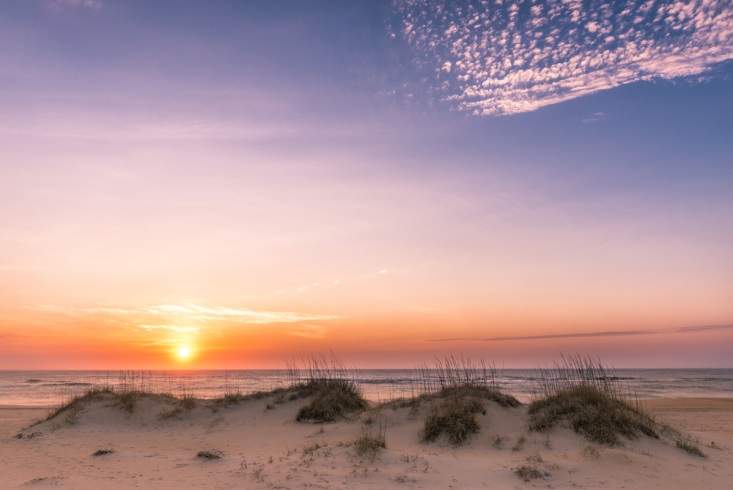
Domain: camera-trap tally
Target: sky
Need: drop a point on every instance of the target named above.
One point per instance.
(225, 184)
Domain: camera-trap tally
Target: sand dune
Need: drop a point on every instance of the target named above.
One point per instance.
(261, 446)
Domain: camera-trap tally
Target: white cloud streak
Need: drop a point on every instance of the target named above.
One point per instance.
(495, 58)
(179, 317)
(61, 4)
(237, 315)
(170, 328)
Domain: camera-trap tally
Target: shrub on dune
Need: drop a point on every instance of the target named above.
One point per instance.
(333, 393)
(462, 389)
(455, 417)
(331, 400)
(585, 395)
(371, 439)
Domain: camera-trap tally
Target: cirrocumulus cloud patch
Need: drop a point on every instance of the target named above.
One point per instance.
(495, 57)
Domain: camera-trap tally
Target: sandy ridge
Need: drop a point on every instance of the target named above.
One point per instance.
(263, 447)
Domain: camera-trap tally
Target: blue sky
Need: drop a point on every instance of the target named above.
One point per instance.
(459, 170)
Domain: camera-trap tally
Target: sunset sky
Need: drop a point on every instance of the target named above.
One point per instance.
(258, 180)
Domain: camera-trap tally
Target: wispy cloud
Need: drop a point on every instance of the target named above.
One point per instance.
(60, 4)
(239, 315)
(309, 331)
(493, 57)
(605, 333)
(179, 318)
(703, 328)
(170, 328)
(593, 118)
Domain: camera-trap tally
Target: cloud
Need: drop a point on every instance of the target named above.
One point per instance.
(607, 333)
(238, 315)
(170, 328)
(495, 58)
(180, 317)
(703, 328)
(61, 4)
(309, 331)
(593, 118)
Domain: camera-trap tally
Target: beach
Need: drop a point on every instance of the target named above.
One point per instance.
(256, 443)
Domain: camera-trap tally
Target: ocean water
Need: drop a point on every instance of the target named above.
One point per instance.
(49, 388)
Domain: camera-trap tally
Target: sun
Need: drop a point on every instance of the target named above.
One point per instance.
(184, 351)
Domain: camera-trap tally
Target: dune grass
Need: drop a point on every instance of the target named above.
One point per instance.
(582, 393)
(209, 455)
(102, 452)
(579, 392)
(280, 395)
(371, 439)
(331, 388)
(69, 411)
(71, 408)
(456, 390)
(331, 400)
(130, 387)
(455, 417)
(529, 473)
(453, 412)
(690, 447)
(125, 394)
(185, 403)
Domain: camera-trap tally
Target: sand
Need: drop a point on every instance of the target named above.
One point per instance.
(261, 446)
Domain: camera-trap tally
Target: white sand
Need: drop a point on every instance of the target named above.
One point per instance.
(266, 448)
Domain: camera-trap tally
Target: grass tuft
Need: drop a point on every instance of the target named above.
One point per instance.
(519, 445)
(184, 404)
(333, 393)
(331, 400)
(71, 408)
(456, 372)
(584, 394)
(455, 417)
(126, 400)
(462, 388)
(209, 455)
(529, 473)
(371, 440)
(103, 452)
(690, 448)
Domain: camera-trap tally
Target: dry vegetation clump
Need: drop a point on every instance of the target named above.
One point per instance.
(690, 447)
(529, 473)
(455, 417)
(480, 392)
(209, 455)
(71, 408)
(584, 394)
(331, 400)
(226, 400)
(331, 388)
(102, 452)
(460, 390)
(519, 445)
(371, 439)
(129, 389)
(185, 403)
(229, 399)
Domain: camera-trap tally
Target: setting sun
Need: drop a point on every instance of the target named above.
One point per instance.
(184, 352)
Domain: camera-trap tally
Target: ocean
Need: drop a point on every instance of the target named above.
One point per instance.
(49, 388)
